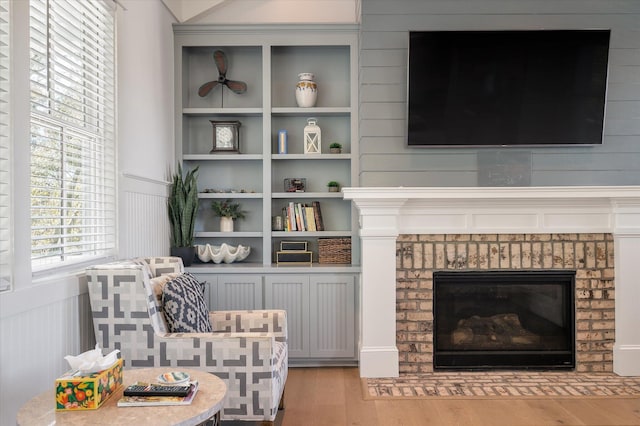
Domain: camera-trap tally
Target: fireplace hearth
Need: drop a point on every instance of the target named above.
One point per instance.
(504, 320)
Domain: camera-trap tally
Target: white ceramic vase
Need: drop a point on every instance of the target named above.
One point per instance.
(226, 224)
(306, 90)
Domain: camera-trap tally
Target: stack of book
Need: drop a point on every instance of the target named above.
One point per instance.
(144, 394)
(303, 217)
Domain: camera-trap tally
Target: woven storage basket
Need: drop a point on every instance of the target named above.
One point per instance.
(334, 250)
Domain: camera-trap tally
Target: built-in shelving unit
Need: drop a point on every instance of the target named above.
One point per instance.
(269, 59)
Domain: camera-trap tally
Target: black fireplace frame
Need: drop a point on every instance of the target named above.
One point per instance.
(513, 359)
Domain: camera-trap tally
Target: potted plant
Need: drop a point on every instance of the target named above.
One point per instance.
(183, 207)
(335, 148)
(227, 211)
(333, 186)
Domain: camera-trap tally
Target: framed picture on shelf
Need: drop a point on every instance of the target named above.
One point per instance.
(226, 136)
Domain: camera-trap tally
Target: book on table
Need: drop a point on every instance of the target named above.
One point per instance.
(147, 401)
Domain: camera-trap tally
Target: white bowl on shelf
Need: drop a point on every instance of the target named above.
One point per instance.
(222, 253)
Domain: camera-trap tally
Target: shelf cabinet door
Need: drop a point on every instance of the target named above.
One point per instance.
(291, 293)
(232, 292)
(239, 292)
(320, 313)
(332, 316)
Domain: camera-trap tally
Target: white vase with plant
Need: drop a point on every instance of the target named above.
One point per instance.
(228, 212)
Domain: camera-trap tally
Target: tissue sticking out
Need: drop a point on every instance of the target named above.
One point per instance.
(92, 361)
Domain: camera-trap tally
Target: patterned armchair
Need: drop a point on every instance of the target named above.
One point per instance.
(247, 349)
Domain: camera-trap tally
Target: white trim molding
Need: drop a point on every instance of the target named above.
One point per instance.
(387, 212)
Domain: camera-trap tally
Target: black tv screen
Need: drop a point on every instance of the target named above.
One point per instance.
(497, 88)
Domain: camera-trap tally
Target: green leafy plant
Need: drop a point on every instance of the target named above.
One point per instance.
(183, 207)
(335, 145)
(333, 183)
(228, 209)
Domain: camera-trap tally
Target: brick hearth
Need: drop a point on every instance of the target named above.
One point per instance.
(590, 255)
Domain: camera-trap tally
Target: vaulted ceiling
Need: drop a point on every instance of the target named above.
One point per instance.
(264, 11)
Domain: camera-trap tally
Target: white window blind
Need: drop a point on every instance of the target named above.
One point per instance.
(5, 152)
(73, 205)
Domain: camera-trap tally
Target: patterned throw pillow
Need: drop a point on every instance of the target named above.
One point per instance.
(184, 307)
(157, 286)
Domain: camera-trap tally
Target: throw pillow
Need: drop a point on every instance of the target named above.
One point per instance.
(184, 307)
(158, 283)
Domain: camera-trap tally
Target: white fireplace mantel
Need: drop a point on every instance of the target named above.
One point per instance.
(387, 212)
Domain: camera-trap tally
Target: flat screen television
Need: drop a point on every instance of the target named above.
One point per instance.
(501, 88)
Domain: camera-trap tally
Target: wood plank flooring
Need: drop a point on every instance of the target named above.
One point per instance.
(333, 396)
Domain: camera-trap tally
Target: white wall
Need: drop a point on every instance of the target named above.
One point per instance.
(146, 156)
(44, 320)
(145, 89)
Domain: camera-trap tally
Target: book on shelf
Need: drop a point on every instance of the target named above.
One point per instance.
(149, 401)
(317, 212)
(303, 217)
(310, 218)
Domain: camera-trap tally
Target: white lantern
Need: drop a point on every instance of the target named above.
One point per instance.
(312, 137)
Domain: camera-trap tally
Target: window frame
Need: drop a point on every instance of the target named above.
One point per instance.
(74, 92)
(6, 189)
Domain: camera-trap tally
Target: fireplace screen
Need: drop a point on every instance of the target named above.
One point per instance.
(504, 319)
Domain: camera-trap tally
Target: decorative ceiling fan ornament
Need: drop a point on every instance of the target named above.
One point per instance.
(220, 60)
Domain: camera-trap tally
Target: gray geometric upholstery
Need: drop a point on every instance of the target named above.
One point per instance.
(247, 349)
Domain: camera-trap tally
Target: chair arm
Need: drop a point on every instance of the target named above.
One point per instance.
(216, 351)
(264, 321)
(160, 265)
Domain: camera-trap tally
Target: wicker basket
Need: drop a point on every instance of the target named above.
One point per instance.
(334, 250)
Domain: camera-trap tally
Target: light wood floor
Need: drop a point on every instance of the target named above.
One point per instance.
(333, 396)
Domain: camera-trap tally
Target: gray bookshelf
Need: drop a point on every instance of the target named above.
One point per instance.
(268, 59)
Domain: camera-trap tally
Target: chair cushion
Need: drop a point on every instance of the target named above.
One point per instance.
(184, 307)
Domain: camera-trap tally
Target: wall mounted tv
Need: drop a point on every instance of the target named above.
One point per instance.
(500, 88)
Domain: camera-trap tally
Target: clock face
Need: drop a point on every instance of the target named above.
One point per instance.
(224, 137)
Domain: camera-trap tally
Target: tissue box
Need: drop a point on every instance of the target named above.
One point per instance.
(87, 392)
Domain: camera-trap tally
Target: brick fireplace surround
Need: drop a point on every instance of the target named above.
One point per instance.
(590, 255)
(407, 233)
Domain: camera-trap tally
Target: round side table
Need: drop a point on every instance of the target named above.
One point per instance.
(206, 405)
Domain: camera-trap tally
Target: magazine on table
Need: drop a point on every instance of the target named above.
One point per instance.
(147, 401)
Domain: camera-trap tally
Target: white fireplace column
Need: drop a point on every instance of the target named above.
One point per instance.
(387, 212)
(378, 234)
(626, 237)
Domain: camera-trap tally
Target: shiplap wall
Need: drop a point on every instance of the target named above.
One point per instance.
(386, 161)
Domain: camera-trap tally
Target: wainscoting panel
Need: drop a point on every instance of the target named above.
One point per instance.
(144, 226)
(32, 360)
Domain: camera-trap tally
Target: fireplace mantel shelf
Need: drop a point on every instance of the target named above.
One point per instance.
(492, 193)
(386, 212)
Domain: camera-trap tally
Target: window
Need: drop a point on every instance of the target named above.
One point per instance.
(5, 152)
(73, 210)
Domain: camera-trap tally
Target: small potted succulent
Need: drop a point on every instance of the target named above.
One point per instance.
(335, 148)
(333, 186)
(227, 211)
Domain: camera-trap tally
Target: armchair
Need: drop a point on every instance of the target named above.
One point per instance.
(247, 349)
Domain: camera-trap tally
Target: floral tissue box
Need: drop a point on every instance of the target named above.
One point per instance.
(87, 392)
